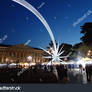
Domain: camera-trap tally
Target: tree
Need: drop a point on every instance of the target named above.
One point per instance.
(77, 46)
(51, 45)
(66, 47)
(87, 31)
(61, 50)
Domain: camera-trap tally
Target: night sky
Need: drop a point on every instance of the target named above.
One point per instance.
(20, 25)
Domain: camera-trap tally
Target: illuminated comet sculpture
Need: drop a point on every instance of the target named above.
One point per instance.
(56, 55)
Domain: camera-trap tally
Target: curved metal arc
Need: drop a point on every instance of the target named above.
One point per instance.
(39, 16)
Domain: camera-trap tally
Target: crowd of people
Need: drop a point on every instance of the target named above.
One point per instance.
(89, 72)
(34, 74)
(40, 74)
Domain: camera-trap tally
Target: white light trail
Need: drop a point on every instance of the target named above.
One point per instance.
(38, 15)
(56, 55)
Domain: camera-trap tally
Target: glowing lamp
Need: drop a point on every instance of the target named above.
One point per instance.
(29, 58)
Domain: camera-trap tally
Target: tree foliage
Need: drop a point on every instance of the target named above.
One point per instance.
(87, 33)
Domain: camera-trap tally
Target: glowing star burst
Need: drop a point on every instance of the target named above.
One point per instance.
(56, 55)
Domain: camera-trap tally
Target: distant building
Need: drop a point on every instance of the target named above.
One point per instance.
(20, 53)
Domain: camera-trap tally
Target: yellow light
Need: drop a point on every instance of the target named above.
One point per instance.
(88, 54)
(32, 63)
(89, 51)
(7, 59)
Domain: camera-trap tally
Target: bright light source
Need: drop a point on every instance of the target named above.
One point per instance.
(82, 63)
(56, 55)
(7, 59)
(89, 51)
(29, 58)
(88, 54)
(32, 64)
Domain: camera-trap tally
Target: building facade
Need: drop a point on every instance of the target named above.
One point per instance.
(20, 53)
